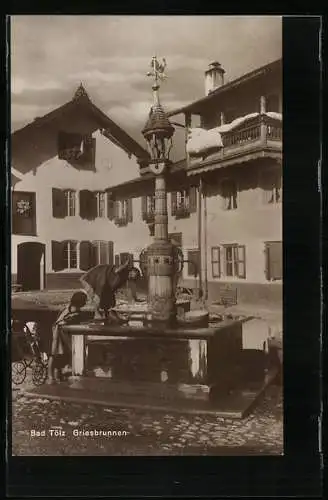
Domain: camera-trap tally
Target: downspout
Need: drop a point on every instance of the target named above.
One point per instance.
(199, 204)
(205, 247)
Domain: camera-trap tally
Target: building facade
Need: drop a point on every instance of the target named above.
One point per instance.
(62, 165)
(224, 198)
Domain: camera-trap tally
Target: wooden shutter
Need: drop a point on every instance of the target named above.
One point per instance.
(89, 151)
(95, 254)
(110, 206)
(103, 252)
(241, 256)
(173, 203)
(88, 204)
(275, 260)
(144, 207)
(59, 208)
(110, 247)
(116, 209)
(192, 199)
(86, 255)
(130, 211)
(117, 260)
(92, 205)
(57, 250)
(83, 203)
(216, 262)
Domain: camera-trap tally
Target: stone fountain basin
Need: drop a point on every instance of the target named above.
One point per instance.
(180, 369)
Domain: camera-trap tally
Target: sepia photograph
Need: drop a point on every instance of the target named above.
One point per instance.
(146, 242)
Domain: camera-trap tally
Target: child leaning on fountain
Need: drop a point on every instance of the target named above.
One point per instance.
(61, 343)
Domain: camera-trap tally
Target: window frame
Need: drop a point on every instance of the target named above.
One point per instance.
(101, 204)
(226, 200)
(273, 171)
(267, 267)
(235, 261)
(69, 267)
(70, 202)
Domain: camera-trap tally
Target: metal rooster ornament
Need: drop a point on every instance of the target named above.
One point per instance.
(158, 69)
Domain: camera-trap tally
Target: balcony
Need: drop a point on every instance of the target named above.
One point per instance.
(257, 137)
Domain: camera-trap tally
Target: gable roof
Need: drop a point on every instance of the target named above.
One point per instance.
(82, 102)
(196, 107)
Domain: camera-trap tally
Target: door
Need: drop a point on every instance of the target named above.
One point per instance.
(31, 265)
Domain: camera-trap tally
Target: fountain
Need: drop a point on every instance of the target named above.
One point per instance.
(158, 358)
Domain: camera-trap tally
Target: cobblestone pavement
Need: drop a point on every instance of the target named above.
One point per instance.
(147, 433)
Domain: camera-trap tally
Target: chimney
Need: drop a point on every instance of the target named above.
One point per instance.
(214, 77)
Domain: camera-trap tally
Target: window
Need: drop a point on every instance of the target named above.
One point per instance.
(148, 207)
(101, 203)
(273, 250)
(23, 213)
(184, 202)
(272, 186)
(70, 197)
(70, 255)
(229, 194)
(216, 264)
(63, 203)
(121, 212)
(193, 262)
(77, 148)
(234, 261)
(103, 252)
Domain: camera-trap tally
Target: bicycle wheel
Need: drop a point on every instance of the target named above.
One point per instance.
(18, 372)
(39, 373)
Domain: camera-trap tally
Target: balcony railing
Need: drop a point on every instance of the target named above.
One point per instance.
(259, 133)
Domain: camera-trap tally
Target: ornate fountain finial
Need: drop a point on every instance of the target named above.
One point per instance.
(80, 92)
(157, 70)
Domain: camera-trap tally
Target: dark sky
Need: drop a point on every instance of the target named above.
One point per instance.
(51, 55)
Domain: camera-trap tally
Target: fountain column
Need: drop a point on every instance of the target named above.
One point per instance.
(161, 254)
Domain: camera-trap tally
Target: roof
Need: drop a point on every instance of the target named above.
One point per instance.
(147, 180)
(197, 106)
(82, 101)
(157, 120)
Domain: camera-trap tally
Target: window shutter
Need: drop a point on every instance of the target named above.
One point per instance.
(58, 203)
(103, 252)
(83, 203)
(116, 209)
(267, 265)
(94, 254)
(130, 212)
(86, 255)
(117, 260)
(88, 204)
(110, 249)
(89, 151)
(192, 199)
(57, 250)
(173, 203)
(110, 207)
(144, 207)
(275, 260)
(216, 262)
(92, 202)
(241, 253)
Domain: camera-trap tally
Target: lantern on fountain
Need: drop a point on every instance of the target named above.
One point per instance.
(161, 258)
